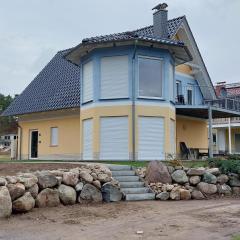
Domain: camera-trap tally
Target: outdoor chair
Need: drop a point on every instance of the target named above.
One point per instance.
(185, 151)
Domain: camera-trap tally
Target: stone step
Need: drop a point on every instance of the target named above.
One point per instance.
(140, 196)
(127, 178)
(135, 190)
(131, 184)
(123, 173)
(113, 167)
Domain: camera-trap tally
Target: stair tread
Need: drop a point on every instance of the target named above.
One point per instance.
(140, 196)
(116, 173)
(137, 190)
(127, 178)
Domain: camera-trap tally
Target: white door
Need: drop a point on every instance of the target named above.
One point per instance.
(151, 138)
(88, 139)
(114, 138)
(221, 139)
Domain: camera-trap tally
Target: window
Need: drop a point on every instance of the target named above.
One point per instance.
(150, 77)
(178, 88)
(114, 77)
(87, 82)
(54, 136)
(189, 97)
(214, 139)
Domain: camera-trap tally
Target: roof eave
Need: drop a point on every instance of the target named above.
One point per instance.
(180, 52)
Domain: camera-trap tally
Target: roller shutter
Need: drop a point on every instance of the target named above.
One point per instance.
(151, 138)
(114, 138)
(88, 139)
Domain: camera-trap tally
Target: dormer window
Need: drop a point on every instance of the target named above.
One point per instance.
(150, 72)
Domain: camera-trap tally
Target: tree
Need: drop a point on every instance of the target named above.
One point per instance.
(7, 124)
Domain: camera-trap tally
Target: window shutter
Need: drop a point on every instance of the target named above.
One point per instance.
(114, 77)
(87, 82)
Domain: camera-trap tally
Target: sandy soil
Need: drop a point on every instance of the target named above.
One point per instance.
(211, 219)
(13, 168)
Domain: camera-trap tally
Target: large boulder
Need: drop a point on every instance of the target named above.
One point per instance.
(11, 179)
(67, 194)
(175, 193)
(16, 190)
(163, 196)
(223, 178)
(214, 171)
(234, 180)
(207, 188)
(28, 179)
(90, 193)
(197, 195)
(79, 187)
(224, 189)
(157, 172)
(209, 178)
(179, 176)
(33, 190)
(196, 171)
(185, 194)
(48, 198)
(24, 203)
(104, 178)
(111, 193)
(236, 191)
(47, 180)
(5, 202)
(86, 177)
(194, 180)
(3, 181)
(70, 178)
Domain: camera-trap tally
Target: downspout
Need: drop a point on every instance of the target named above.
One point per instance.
(20, 142)
(133, 102)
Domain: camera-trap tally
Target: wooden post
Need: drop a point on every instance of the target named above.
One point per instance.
(210, 136)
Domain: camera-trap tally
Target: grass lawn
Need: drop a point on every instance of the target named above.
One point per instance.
(237, 237)
(188, 163)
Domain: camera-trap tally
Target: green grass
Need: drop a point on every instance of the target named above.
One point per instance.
(190, 164)
(236, 237)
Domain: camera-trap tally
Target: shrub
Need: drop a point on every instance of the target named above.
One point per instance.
(225, 166)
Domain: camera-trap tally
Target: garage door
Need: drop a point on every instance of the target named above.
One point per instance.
(151, 138)
(114, 138)
(88, 139)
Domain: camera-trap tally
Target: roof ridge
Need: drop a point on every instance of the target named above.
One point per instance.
(130, 31)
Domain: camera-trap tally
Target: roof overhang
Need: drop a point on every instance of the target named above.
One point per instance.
(202, 112)
(180, 53)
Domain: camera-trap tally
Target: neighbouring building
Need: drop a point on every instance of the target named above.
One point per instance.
(134, 95)
(226, 131)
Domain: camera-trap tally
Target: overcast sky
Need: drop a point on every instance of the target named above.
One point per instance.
(32, 31)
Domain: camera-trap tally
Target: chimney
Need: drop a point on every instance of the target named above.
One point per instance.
(160, 18)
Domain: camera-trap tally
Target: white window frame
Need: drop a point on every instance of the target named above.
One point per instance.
(54, 142)
(138, 90)
(172, 84)
(85, 98)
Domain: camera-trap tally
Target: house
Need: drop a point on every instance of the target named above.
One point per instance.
(226, 131)
(134, 95)
(5, 139)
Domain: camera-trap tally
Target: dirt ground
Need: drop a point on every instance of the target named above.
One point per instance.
(13, 168)
(208, 219)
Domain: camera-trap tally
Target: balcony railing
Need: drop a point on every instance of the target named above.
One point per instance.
(224, 103)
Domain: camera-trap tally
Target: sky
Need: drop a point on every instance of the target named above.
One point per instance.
(32, 31)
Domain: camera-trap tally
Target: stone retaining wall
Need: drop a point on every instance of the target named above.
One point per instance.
(88, 183)
(179, 183)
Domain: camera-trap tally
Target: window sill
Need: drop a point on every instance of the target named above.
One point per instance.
(152, 98)
(90, 101)
(53, 145)
(111, 99)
